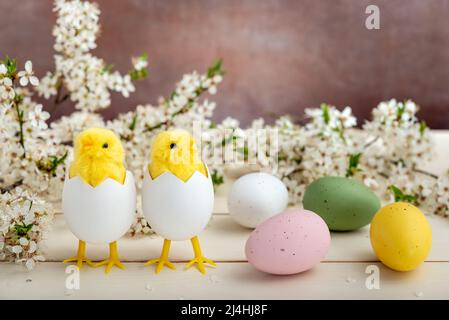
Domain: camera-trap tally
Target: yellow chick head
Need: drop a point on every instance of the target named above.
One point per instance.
(99, 144)
(175, 151)
(99, 155)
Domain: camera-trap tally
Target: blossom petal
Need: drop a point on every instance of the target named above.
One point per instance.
(29, 66)
(23, 81)
(34, 81)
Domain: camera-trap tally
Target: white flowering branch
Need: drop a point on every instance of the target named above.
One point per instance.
(84, 78)
(24, 221)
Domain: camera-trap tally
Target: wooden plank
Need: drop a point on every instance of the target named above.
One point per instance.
(224, 240)
(227, 281)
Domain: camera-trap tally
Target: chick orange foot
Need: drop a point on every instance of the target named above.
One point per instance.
(80, 256)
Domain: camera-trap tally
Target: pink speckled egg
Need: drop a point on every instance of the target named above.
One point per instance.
(288, 243)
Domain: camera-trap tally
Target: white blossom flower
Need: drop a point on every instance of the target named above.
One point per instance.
(125, 86)
(3, 69)
(7, 91)
(5, 107)
(48, 85)
(23, 241)
(38, 117)
(139, 63)
(16, 249)
(28, 75)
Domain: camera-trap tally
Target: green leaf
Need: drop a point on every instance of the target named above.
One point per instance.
(326, 114)
(215, 69)
(51, 164)
(245, 152)
(108, 68)
(282, 157)
(216, 178)
(144, 56)
(400, 111)
(422, 128)
(229, 139)
(18, 99)
(143, 74)
(58, 161)
(133, 124)
(23, 229)
(11, 66)
(399, 195)
(354, 160)
(138, 74)
(213, 125)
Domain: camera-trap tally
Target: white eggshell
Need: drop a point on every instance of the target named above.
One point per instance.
(102, 214)
(175, 209)
(256, 197)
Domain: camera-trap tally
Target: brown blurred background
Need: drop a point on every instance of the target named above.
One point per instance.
(280, 56)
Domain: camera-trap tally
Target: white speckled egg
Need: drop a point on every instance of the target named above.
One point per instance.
(102, 214)
(175, 209)
(256, 197)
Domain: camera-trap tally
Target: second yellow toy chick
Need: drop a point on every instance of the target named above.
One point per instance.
(177, 195)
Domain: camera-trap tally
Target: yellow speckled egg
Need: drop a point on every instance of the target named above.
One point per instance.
(401, 236)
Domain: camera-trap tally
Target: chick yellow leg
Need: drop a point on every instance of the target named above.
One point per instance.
(113, 259)
(80, 256)
(163, 259)
(199, 258)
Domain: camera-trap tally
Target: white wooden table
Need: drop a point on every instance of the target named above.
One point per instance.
(341, 276)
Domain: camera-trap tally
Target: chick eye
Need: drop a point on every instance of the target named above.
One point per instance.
(105, 146)
(172, 145)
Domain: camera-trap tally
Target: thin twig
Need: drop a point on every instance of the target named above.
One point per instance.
(167, 123)
(20, 119)
(369, 144)
(58, 100)
(429, 174)
(383, 174)
(291, 173)
(11, 186)
(67, 143)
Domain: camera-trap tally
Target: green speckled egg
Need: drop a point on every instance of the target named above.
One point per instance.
(345, 204)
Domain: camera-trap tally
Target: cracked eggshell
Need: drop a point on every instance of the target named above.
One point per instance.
(256, 197)
(177, 210)
(290, 242)
(102, 214)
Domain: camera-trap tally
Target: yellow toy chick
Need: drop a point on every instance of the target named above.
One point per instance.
(98, 155)
(175, 151)
(177, 195)
(99, 196)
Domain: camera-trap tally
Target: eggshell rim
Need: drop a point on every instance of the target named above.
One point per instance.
(129, 176)
(148, 175)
